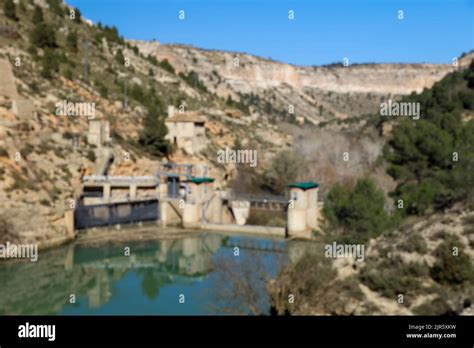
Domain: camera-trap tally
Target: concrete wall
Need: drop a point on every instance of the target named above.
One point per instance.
(189, 137)
(246, 229)
(173, 217)
(213, 209)
(302, 218)
(241, 211)
(94, 134)
(191, 214)
(199, 142)
(197, 198)
(99, 132)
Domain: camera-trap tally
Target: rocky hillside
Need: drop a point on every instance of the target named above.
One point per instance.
(317, 93)
(48, 56)
(49, 53)
(422, 261)
(417, 261)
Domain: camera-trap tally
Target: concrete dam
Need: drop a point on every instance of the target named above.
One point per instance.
(182, 195)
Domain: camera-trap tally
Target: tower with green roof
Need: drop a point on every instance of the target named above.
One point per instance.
(302, 212)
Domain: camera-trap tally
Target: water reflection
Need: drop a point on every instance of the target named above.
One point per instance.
(206, 269)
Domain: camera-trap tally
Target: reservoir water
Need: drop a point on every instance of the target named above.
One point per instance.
(203, 274)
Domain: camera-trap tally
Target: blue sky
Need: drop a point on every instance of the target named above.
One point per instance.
(323, 31)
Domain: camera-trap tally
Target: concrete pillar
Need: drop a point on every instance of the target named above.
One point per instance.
(302, 212)
(214, 211)
(163, 213)
(70, 223)
(312, 211)
(191, 214)
(133, 192)
(162, 191)
(106, 192)
(171, 110)
(94, 135)
(199, 190)
(241, 211)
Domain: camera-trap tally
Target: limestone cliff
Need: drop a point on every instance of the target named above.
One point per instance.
(316, 93)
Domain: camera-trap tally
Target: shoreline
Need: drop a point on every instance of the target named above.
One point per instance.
(109, 235)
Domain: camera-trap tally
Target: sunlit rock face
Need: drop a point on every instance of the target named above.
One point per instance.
(244, 73)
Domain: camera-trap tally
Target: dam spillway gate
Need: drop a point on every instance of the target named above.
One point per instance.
(100, 215)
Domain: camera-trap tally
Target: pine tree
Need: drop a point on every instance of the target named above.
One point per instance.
(10, 10)
(358, 213)
(49, 64)
(152, 136)
(43, 36)
(38, 15)
(55, 7)
(77, 16)
(71, 40)
(119, 57)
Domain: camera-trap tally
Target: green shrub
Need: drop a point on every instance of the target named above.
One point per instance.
(44, 147)
(468, 219)
(192, 79)
(27, 150)
(152, 135)
(237, 104)
(50, 64)
(266, 218)
(6, 230)
(68, 74)
(415, 243)
(449, 268)
(56, 192)
(91, 155)
(43, 36)
(165, 64)
(55, 7)
(468, 230)
(315, 272)
(20, 183)
(391, 276)
(37, 15)
(67, 174)
(71, 41)
(33, 51)
(119, 57)
(9, 9)
(45, 202)
(59, 152)
(3, 152)
(102, 89)
(436, 307)
(111, 34)
(77, 16)
(356, 214)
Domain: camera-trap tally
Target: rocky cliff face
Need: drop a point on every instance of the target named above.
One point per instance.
(397, 276)
(252, 72)
(316, 93)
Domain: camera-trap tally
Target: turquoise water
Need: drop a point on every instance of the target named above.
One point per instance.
(199, 275)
